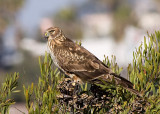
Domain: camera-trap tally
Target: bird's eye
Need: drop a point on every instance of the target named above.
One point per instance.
(52, 31)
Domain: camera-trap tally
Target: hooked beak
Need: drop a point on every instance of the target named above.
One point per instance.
(46, 35)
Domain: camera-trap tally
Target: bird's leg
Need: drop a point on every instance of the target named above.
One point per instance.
(74, 77)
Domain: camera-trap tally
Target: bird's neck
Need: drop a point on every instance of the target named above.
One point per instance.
(60, 38)
(57, 40)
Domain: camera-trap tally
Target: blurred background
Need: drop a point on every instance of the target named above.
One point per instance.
(105, 27)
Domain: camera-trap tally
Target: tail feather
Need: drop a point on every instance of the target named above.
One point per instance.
(134, 91)
(118, 80)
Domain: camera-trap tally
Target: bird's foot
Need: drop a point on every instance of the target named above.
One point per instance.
(77, 80)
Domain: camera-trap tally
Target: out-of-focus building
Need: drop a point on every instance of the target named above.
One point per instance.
(148, 14)
(96, 19)
(150, 22)
(10, 43)
(97, 25)
(34, 47)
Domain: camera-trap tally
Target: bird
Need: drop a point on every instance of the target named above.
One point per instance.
(80, 64)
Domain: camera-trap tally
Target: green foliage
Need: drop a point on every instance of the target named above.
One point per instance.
(6, 89)
(145, 72)
(41, 98)
(112, 64)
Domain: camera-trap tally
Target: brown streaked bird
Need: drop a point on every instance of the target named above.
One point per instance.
(78, 63)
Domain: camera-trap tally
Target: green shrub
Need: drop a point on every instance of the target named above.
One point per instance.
(6, 89)
(41, 98)
(145, 72)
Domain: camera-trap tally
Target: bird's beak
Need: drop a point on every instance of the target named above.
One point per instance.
(46, 35)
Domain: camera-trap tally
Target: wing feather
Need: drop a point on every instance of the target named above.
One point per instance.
(79, 61)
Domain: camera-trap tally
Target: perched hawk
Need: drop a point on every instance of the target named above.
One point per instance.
(78, 63)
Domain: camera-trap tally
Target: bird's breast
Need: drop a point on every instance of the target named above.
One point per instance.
(52, 52)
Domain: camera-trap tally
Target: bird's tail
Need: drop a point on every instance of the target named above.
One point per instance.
(118, 80)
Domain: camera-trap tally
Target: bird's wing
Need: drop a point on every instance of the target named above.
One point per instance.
(75, 59)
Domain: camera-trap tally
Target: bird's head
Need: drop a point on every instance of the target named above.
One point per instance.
(52, 33)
